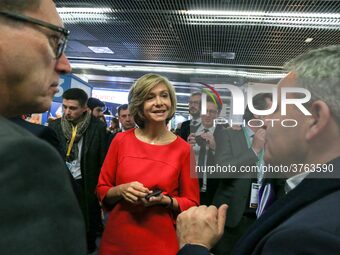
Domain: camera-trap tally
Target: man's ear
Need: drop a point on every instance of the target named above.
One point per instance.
(321, 116)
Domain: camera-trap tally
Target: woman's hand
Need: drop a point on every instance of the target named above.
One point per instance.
(154, 200)
(133, 192)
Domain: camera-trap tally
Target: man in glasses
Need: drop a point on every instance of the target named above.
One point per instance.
(189, 127)
(38, 209)
(204, 146)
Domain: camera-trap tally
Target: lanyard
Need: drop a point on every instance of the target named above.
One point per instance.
(260, 156)
(73, 137)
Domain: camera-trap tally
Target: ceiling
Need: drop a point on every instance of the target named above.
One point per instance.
(222, 41)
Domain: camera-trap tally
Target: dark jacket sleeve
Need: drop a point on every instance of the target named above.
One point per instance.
(230, 152)
(301, 240)
(191, 249)
(185, 130)
(234, 188)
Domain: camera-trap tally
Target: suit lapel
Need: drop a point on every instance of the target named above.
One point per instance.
(308, 191)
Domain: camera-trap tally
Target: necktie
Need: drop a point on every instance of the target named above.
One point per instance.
(266, 198)
(202, 161)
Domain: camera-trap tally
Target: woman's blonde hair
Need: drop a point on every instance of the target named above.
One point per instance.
(140, 91)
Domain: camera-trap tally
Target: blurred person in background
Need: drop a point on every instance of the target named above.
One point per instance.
(125, 118)
(84, 142)
(204, 146)
(114, 125)
(239, 148)
(190, 126)
(96, 107)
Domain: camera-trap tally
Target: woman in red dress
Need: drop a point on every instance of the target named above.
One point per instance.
(140, 161)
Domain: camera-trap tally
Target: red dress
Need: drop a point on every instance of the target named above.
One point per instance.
(135, 229)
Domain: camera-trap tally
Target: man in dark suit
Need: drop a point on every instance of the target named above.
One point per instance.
(43, 132)
(239, 148)
(84, 142)
(191, 126)
(306, 219)
(39, 211)
(204, 146)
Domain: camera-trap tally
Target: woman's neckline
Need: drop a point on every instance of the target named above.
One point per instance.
(153, 144)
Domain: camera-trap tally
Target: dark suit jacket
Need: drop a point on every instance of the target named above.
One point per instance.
(39, 212)
(206, 198)
(184, 131)
(45, 133)
(305, 221)
(92, 156)
(232, 148)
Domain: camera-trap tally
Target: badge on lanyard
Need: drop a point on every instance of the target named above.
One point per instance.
(254, 195)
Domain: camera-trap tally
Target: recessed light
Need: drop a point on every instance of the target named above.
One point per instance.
(308, 40)
(225, 55)
(101, 50)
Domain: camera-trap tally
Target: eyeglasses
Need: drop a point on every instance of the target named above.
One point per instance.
(212, 112)
(194, 102)
(60, 42)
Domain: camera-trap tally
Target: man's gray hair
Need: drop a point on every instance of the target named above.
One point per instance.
(319, 72)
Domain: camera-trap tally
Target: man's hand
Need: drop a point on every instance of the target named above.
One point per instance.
(201, 225)
(258, 141)
(191, 139)
(209, 137)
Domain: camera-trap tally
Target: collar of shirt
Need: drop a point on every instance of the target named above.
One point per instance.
(293, 181)
(200, 130)
(249, 131)
(197, 121)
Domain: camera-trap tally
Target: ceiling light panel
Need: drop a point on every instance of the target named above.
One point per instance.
(262, 33)
(85, 15)
(225, 72)
(101, 50)
(275, 19)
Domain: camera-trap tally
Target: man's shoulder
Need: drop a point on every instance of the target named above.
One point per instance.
(55, 123)
(21, 144)
(36, 129)
(327, 205)
(318, 220)
(185, 124)
(11, 129)
(96, 123)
